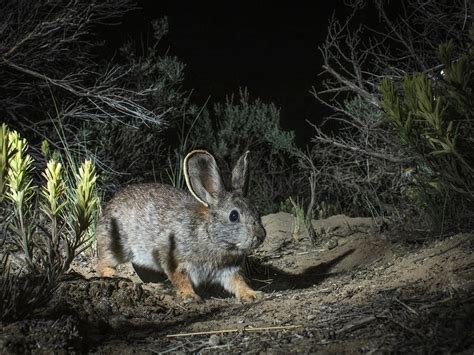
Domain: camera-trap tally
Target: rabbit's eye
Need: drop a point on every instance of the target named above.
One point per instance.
(234, 216)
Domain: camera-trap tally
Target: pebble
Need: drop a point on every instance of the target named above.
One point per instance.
(332, 243)
(214, 340)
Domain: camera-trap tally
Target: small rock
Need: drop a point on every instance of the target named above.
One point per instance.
(332, 243)
(214, 340)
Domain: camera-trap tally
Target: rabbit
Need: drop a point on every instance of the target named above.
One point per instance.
(197, 238)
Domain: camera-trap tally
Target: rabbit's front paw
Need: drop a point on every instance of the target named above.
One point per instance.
(105, 271)
(237, 285)
(249, 295)
(188, 297)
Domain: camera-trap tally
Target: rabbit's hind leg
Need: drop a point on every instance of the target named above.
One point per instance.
(107, 261)
(109, 246)
(106, 264)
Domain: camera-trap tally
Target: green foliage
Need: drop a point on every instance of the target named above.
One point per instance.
(286, 206)
(434, 118)
(239, 125)
(247, 125)
(325, 210)
(296, 209)
(48, 226)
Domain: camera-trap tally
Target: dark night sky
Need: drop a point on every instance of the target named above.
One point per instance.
(271, 49)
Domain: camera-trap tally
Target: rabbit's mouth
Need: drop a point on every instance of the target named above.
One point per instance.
(250, 244)
(231, 247)
(240, 248)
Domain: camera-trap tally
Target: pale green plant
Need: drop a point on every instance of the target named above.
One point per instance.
(174, 170)
(50, 225)
(300, 217)
(53, 190)
(82, 199)
(84, 210)
(52, 205)
(19, 181)
(5, 154)
(20, 193)
(303, 219)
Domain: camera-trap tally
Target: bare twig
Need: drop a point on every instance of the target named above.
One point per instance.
(406, 306)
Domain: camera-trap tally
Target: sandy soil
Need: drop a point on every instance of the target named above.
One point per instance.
(361, 290)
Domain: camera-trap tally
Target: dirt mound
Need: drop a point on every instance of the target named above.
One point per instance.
(358, 292)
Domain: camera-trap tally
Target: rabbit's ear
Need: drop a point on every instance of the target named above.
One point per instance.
(240, 175)
(202, 177)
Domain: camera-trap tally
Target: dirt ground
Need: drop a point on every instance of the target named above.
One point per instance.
(363, 290)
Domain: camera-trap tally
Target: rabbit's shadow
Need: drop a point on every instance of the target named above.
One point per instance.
(268, 278)
(261, 276)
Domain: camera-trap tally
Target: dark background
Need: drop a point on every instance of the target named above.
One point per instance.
(271, 49)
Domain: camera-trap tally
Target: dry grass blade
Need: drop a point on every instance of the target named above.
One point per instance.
(236, 330)
(357, 324)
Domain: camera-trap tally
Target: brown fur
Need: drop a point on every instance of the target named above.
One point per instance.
(182, 284)
(240, 288)
(201, 211)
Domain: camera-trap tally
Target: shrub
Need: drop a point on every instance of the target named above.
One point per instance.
(361, 163)
(136, 149)
(241, 124)
(109, 101)
(434, 119)
(358, 171)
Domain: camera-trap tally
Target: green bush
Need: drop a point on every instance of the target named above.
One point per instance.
(433, 118)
